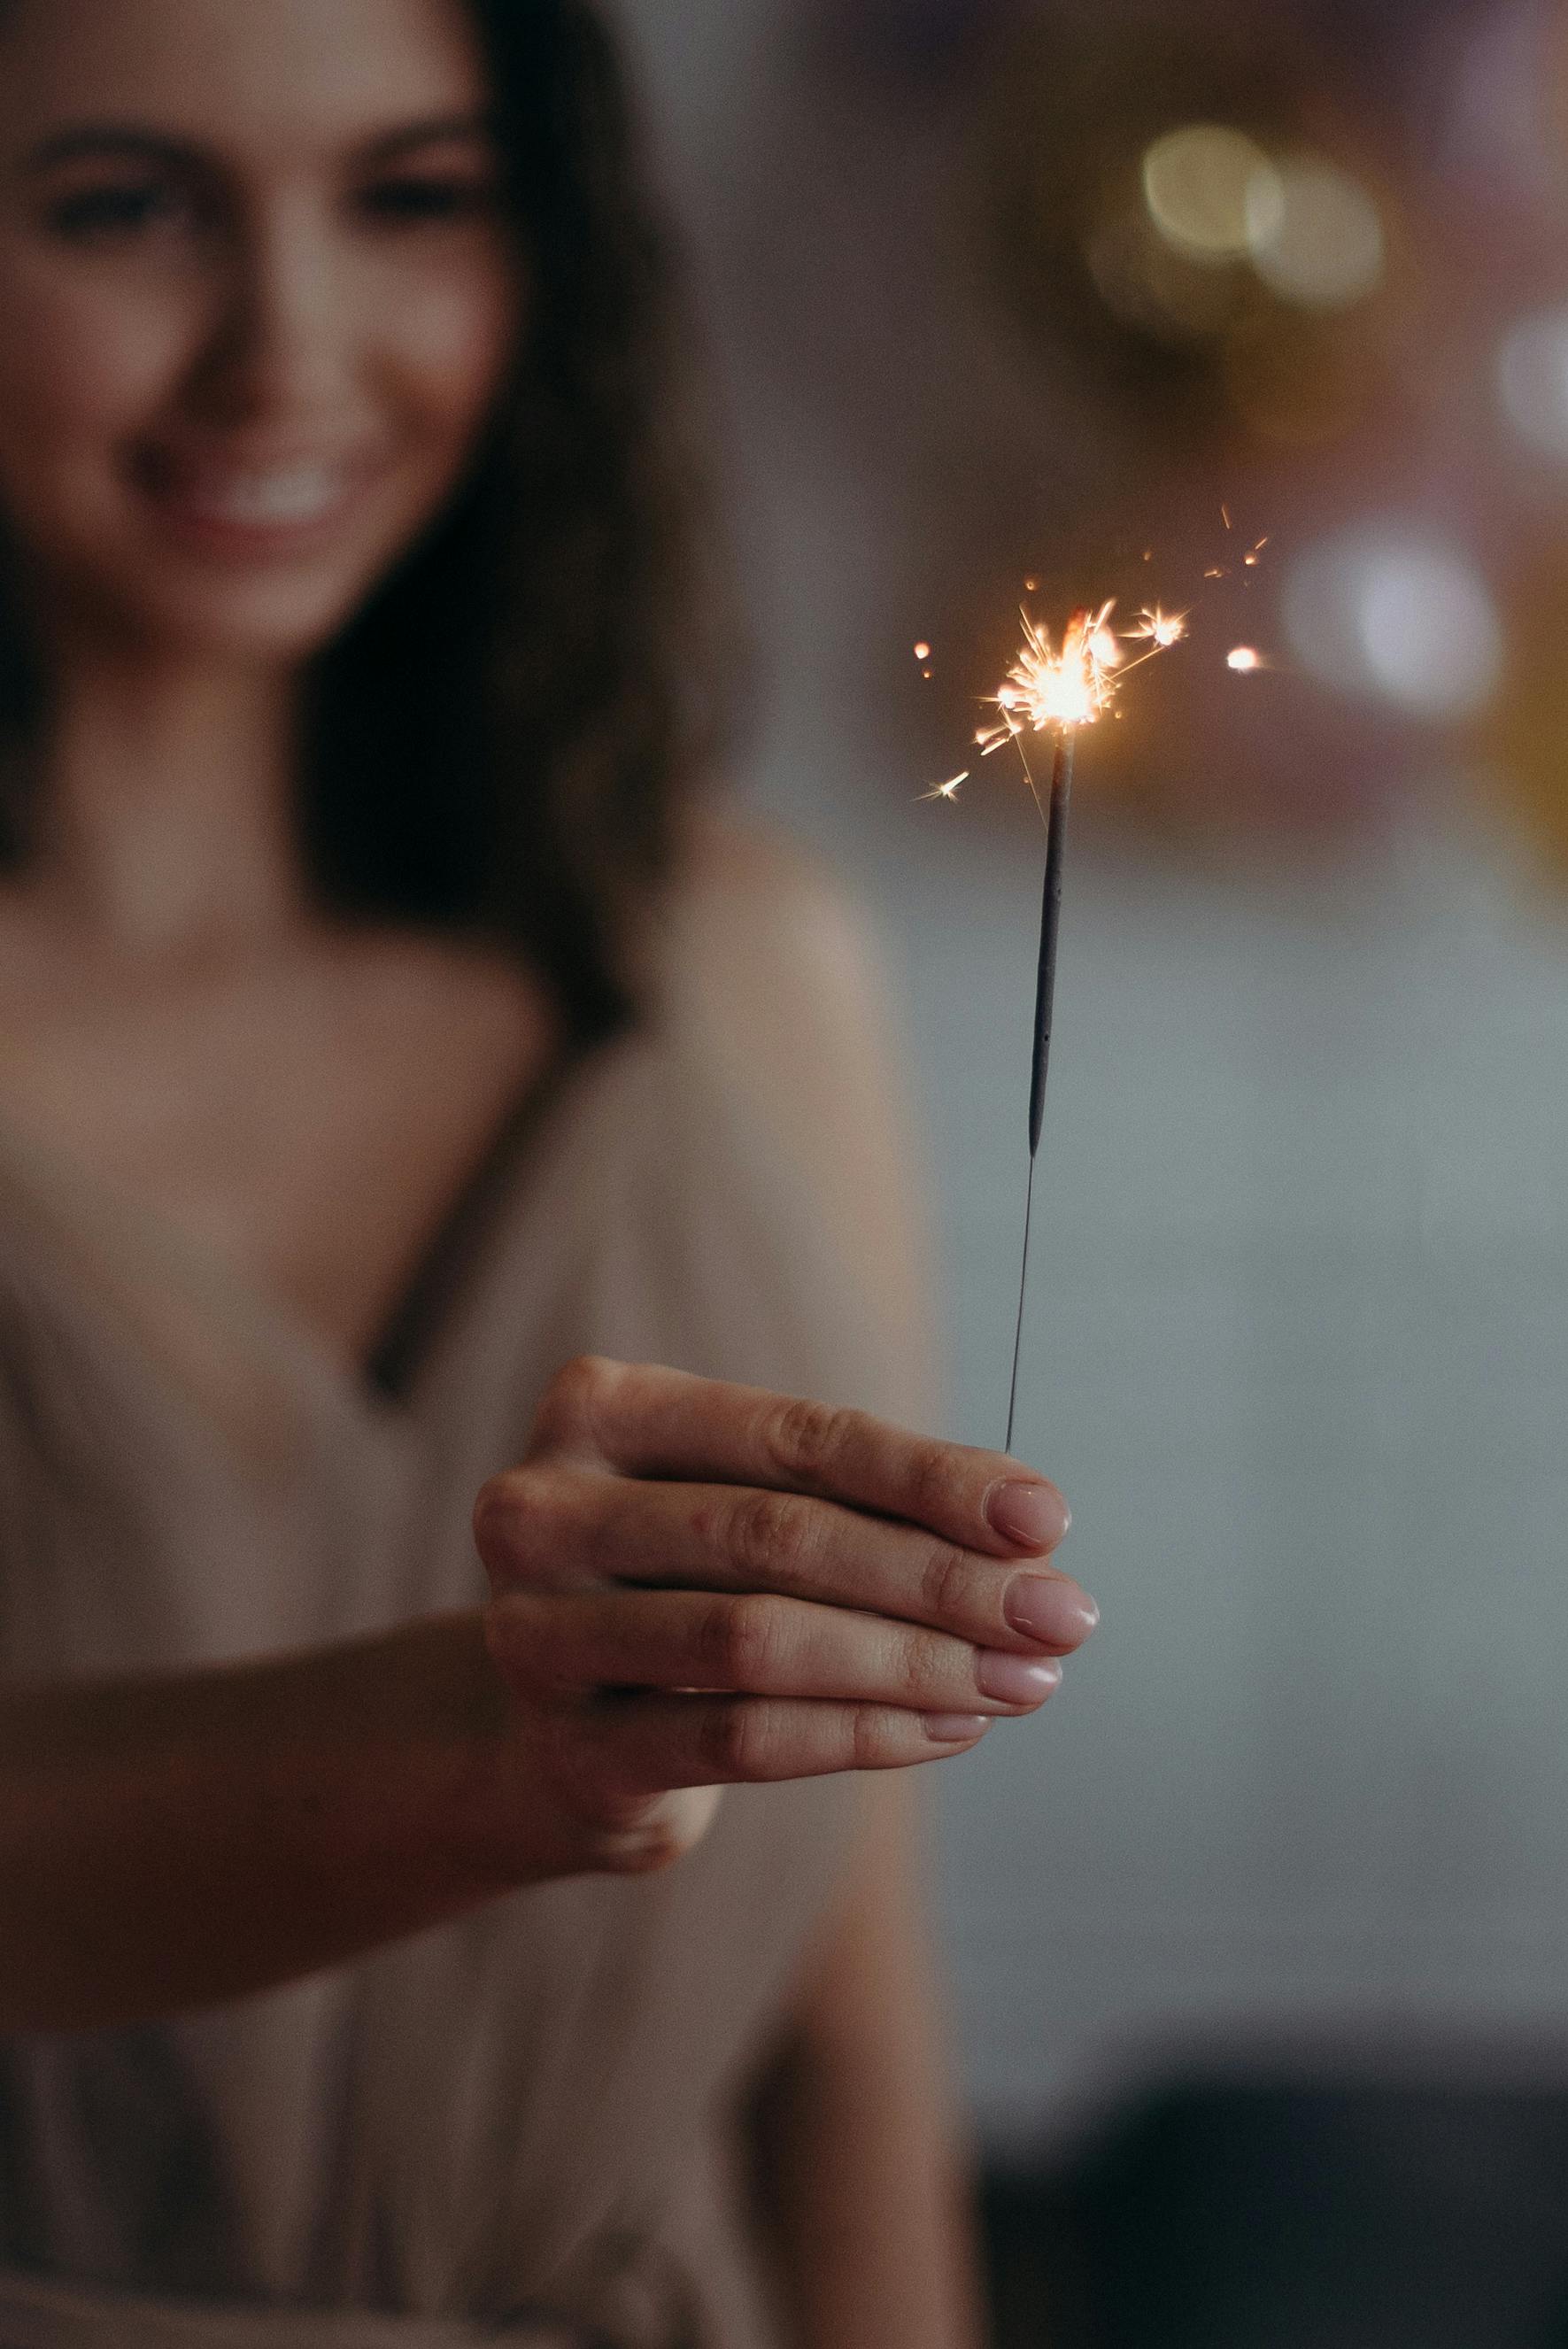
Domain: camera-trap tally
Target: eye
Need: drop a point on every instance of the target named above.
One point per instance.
(429, 200)
(118, 212)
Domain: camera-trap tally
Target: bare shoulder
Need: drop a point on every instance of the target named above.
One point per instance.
(781, 971)
(773, 952)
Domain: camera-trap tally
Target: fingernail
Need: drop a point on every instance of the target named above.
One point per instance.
(1017, 1680)
(1044, 1608)
(1031, 1516)
(955, 1728)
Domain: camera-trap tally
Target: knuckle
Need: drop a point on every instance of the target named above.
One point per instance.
(569, 1411)
(933, 1481)
(947, 1583)
(801, 1437)
(772, 1536)
(736, 1643)
(505, 1521)
(734, 1740)
(925, 1666)
(872, 1736)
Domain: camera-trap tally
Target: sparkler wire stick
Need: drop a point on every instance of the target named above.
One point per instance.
(1045, 998)
(1059, 688)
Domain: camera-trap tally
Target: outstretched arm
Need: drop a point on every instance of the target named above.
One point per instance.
(697, 1584)
(175, 1841)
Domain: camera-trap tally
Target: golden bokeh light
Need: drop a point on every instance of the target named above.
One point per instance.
(1212, 191)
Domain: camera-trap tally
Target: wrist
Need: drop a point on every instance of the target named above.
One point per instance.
(469, 1812)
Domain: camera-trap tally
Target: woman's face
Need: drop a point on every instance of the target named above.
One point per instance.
(257, 295)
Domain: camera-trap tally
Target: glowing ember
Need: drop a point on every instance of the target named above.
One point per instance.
(922, 651)
(1245, 659)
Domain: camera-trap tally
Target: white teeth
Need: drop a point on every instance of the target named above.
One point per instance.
(298, 495)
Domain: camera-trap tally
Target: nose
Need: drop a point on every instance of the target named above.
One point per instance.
(280, 345)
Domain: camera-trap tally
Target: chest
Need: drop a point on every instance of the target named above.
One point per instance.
(308, 1121)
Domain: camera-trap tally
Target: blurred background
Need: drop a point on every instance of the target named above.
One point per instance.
(1260, 1937)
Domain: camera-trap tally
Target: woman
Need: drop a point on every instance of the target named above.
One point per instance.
(377, 1036)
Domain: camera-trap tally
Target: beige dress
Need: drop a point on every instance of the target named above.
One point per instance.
(517, 2128)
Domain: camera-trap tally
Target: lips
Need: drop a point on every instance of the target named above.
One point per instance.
(296, 493)
(243, 503)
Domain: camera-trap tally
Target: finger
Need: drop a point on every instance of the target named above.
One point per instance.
(651, 1422)
(655, 1744)
(756, 1645)
(559, 1527)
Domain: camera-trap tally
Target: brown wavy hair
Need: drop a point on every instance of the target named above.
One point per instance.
(499, 742)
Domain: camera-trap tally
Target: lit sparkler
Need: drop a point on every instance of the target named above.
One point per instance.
(1056, 690)
(1047, 690)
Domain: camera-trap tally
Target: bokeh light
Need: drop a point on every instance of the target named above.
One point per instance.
(1316, 235)
(1399, 617)
(1533, 382)
(1212, 191)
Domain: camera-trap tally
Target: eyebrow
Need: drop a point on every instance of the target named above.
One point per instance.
(129, 140)
(441, 131)
(108, 139)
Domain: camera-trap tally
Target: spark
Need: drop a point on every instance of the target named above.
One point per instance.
(1049, 687)
(1161, 629)
(922, 651)
(1225, 516)
(1245, 659)
(1217, 573)
(1075, 683)
(1057, 687)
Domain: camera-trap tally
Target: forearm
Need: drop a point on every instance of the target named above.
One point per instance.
(868, 2213)
(863, 2165)
(176, 1842)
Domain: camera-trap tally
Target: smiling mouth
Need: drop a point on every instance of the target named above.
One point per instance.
(248, 503)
